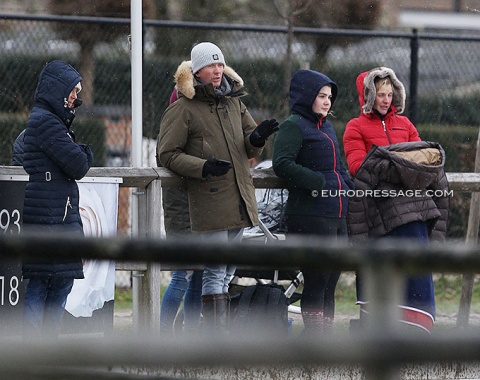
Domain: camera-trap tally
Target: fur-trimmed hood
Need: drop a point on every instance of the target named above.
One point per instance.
(366, 89)
(185, 80)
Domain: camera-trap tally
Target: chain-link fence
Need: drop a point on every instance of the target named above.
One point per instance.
(440, 72)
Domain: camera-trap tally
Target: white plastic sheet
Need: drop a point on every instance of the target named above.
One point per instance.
(98, 209)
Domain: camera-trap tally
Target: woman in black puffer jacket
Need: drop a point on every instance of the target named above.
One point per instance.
(53, 161)
(307, 155)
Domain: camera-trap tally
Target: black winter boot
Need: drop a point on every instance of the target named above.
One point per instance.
(216, 313)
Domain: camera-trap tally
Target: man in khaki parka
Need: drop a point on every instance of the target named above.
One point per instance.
(207, 136)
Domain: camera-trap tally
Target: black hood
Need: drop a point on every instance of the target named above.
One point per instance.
(55, 83)
(304, 88)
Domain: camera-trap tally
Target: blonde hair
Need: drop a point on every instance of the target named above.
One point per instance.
(379, 82)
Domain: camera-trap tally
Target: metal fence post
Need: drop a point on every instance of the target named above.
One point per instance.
(414, 46)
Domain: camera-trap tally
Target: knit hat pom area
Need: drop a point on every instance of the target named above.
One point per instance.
(204, 54)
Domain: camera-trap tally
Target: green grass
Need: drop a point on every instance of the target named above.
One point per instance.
(123, 298)
(448, 289)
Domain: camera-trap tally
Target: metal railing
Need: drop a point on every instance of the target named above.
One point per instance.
(381, 351)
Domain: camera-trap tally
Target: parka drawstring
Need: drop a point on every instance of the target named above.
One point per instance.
(68, 205)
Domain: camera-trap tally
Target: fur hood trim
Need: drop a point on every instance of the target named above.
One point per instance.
(369, 90)
(184, 78)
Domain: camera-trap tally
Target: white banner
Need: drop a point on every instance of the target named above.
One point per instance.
(98, 209)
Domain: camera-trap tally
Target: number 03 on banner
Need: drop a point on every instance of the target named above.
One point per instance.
(10, 222)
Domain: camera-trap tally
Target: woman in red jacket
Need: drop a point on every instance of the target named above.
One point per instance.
(382, 100)
(371, 143)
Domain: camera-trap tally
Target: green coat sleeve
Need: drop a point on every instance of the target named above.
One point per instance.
(288, 143)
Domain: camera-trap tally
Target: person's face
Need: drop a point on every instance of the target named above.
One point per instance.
(211, 74)
(73, 95)
(323, 101)
(383, 98)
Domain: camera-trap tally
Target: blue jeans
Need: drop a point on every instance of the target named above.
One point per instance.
(216, 278)
(179, 288)
(44, 305)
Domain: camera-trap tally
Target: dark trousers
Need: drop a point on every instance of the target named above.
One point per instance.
(319, 286)
(44, 306)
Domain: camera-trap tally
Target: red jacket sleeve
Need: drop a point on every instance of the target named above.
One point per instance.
(354, 146)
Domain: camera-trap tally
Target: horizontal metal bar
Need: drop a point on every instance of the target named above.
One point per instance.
(388, 349)
(66, 18)
(314, 252)
(246, 27)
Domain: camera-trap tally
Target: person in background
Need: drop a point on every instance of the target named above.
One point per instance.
(306, 154)
(17, 150)
(384, 152)
(53, 161)
(184, 285)
(207, 136)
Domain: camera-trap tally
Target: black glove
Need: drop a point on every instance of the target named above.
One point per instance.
(216, 167)
(264, 129)
(88, 152)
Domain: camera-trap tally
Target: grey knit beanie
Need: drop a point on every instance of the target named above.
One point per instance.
(204, 54)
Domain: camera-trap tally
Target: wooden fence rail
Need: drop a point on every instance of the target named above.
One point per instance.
(145, 252)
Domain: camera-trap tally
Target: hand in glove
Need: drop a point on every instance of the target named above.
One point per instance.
(88, 152)
(216, 167)
(264, 129)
